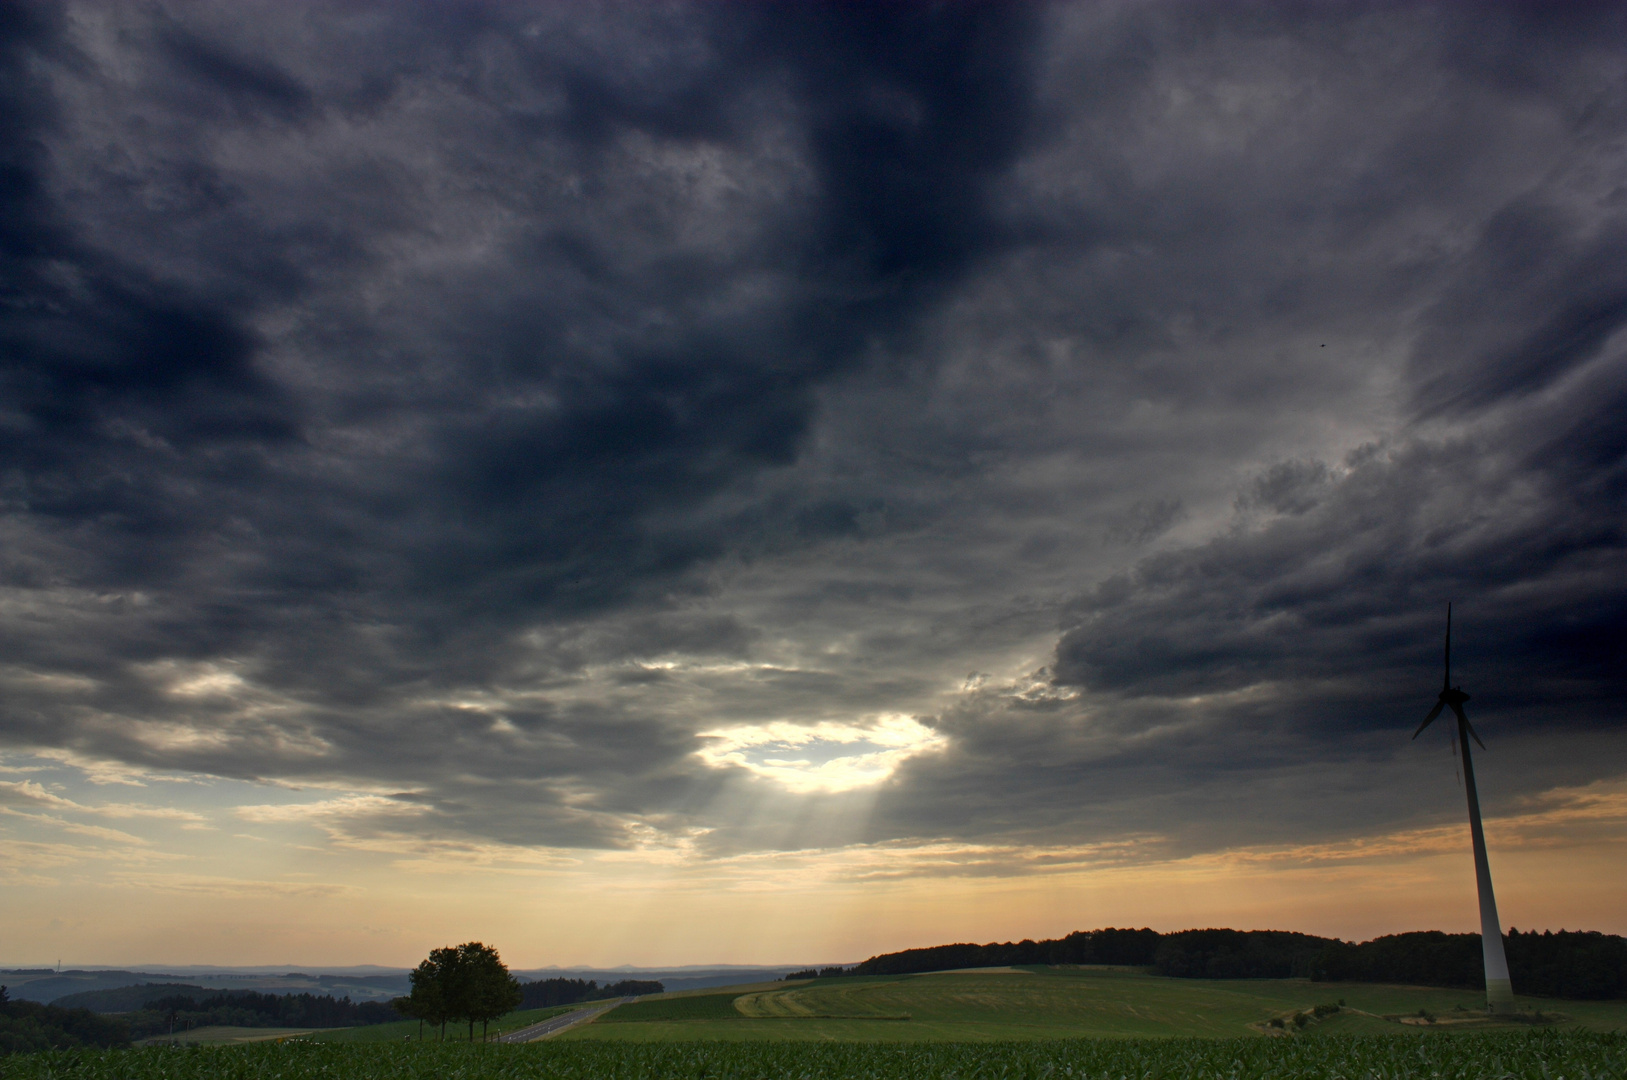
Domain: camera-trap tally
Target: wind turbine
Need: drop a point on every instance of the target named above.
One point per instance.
(1499, 990)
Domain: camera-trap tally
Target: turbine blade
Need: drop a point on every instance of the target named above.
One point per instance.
(1459, 710)
(1430, 719)
(1446, 684)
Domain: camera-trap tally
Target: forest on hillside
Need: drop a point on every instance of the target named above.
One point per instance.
(26, 1026)
(1568, 964)
(545, 993)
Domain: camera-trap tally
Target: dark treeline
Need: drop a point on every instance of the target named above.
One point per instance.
(245, 1008)
(26, 1026)
(817, 973)
(1569, 964)
(1564, 965)
(1238, 954)
(548, 992)
(1110, 946)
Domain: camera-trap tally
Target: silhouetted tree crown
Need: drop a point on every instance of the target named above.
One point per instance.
(467, 982)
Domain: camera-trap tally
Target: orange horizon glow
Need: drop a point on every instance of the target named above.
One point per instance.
(1560, 862)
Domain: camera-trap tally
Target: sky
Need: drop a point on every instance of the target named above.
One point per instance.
(783, 482)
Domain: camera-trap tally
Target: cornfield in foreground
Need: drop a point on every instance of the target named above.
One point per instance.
(1545, 1055)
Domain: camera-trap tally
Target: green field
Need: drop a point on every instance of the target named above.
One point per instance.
(216, 1034)
(405, 1030)
(1051, 1003)
(1004, 1004)
(1028, 1024)
(1543, 1054)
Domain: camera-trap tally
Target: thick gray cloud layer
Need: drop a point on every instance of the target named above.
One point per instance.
(483, 402)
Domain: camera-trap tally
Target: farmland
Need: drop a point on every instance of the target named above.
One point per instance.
(401, 1030)
(1084, 1023)
(1525, 1055)
(220, 1033)
(395, 1032)
(1050, 1003)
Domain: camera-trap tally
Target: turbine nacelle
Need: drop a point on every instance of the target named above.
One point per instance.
(1450, 697)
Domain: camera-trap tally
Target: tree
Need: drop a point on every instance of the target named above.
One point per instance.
(433, 987)
(463, 982)
(492, 991)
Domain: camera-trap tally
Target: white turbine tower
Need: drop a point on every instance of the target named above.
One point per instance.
(1499, 990)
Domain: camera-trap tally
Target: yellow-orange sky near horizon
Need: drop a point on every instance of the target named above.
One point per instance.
(298, 895)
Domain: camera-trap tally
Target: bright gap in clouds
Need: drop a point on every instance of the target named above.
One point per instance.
(824, 757)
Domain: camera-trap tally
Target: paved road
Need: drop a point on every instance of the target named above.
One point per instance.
(555, 1024)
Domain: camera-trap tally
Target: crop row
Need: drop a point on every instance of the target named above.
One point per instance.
(1545, 1055)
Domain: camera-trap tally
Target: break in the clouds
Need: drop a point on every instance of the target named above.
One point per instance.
(734, 428)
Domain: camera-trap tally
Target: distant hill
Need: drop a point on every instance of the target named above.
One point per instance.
(126, 998)
(685, 978)
(395, 984)
(54, 986)
(50, 986)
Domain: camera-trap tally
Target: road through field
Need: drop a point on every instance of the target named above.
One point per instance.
(555, 1024)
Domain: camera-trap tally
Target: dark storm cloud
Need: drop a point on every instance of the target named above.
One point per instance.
(1355, 589)
(1540, 296)
(364, 504)
(1262, 683)
(479, 401)
(553, 441)
(239, 80)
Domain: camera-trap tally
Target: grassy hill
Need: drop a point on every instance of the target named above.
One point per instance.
(1050, 1003)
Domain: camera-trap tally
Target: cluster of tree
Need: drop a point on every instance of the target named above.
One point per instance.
(1109, 946)
(27, 1026)
(1237, 954)
(545, 993)
(1569, 964)
(245, 1008)
(818, 973)
(1564, 965)
(467, 982)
